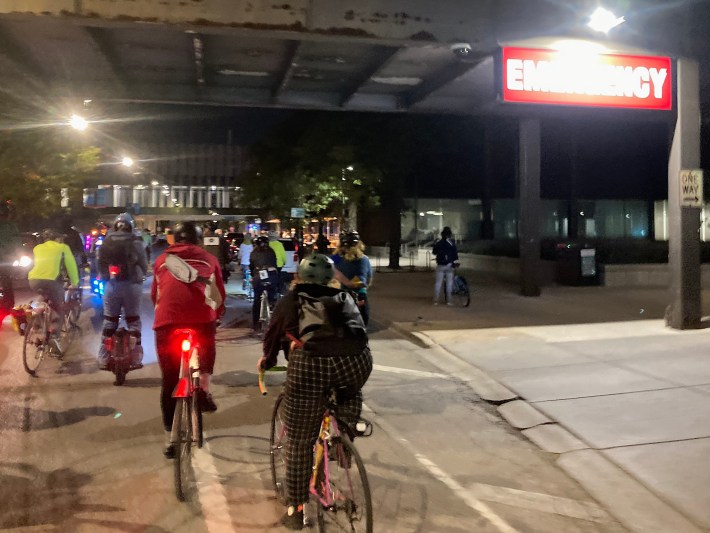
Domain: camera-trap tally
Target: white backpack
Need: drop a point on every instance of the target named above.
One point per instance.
(183, 271)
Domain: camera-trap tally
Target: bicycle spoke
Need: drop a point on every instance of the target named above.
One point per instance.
(34, 345)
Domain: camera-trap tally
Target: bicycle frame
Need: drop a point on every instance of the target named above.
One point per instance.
(329, 428)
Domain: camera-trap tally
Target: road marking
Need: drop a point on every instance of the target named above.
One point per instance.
(410, 372)
(211, 492)
(540, 502)
(459, 490)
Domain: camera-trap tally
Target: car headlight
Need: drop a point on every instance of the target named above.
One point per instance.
(23, 262)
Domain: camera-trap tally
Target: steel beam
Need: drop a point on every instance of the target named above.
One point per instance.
(287, 69)
(384, 55)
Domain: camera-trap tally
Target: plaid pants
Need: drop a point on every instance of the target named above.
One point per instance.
(307, 382)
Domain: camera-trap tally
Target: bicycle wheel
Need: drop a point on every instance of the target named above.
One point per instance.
(349, 488)
(460, 294)
(197, 418)
(277, 447)
(182, 428)
(69, 332)
(34, 345)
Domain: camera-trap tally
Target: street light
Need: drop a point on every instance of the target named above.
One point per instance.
(127, 162)
(78, 123)
(603, 20)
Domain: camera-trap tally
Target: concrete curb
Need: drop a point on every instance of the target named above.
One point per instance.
(625, 497)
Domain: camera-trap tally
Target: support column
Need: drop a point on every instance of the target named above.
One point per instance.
(529, 205)
(684, 310)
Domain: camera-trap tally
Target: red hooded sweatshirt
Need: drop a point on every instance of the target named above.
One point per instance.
(182, 303)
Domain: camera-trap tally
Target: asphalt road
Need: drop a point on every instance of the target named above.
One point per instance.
(79, 454)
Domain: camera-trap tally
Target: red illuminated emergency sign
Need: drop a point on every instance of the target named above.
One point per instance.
(551, 77)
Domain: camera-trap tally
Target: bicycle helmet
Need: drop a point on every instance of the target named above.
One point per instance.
(123, 222)
(188, 232)
(50, 234)
(316, 268)
(262, 240)
(349, 238)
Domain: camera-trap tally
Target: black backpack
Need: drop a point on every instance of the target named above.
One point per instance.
(331, 325)
(120, 252)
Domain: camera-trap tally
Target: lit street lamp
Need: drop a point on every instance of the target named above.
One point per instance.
(127, 162)
(603, 20)
(78, 123)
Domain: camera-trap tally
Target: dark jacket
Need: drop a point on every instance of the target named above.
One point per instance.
(261, 257)
(445, 252)
(121, 247)
(285, 318)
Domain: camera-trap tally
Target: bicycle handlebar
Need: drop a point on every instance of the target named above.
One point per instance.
(262, 384)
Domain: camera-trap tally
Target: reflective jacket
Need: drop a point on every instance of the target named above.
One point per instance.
(48, 258)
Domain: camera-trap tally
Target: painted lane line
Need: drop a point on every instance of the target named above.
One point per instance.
(211, 492)
(410, 372)
(536, 501)
(469, 499)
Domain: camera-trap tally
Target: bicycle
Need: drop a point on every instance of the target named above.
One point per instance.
(460, 294)
(120, 346)
(187, 420)
(265, 306)
(339, 483)
(247, 285)
(36, 343)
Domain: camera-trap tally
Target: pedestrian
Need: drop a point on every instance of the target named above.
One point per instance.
(245, 250)
(446, 260)
(353, 269)
(280, 252)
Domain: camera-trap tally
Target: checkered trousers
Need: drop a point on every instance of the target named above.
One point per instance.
(307, 381)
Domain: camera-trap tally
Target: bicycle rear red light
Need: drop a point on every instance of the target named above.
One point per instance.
(186, 345)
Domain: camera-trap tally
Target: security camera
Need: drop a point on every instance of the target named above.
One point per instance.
(462, 50)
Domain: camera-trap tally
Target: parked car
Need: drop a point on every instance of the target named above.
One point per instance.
(291, 247)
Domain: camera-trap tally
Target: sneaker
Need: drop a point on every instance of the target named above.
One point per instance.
(207, 404)
(449, 303)
(436, 303)
(292, 518)
(55, 346)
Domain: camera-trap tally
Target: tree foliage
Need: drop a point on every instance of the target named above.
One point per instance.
(36, 164)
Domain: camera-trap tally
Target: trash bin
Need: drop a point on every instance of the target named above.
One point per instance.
(576, 264)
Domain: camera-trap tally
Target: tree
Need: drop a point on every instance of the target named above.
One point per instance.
(35, 165)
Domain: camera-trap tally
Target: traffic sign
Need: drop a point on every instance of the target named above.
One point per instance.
(298, 212)
(691, 188)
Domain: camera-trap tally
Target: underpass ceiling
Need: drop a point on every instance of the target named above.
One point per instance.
(373, 60)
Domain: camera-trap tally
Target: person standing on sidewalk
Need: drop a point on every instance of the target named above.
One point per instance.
(446, 260)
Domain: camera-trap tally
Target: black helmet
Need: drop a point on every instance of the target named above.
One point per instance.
(50, 234)
(123, 222)
(188, 232)
(262, 240)
(316, 268)
(349, 238)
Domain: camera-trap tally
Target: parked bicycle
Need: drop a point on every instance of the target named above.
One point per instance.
(187, 420)
(460, 294)
(339, 484)
(36, 345)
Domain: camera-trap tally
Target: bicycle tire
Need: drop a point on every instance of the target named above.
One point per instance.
(34, 345)
(264, 311)
(69, 332)
(460, 295)
(277, 449)
(197, 419)
(182, 423)
(352, 510)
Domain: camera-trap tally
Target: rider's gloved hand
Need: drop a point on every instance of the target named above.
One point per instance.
(261, 364)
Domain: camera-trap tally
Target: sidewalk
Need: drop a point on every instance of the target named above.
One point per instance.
(589, 373)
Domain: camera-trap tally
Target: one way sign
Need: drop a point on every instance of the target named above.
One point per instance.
(691, 188)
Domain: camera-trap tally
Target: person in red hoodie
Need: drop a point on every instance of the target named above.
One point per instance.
(185, 305)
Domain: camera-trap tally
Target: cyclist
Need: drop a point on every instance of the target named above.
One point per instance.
(72, 238)
(280, 252)
(263, 274)
(245, 250)
(354, 270)
(46, 277)
(312, 372)
(180, 305)
(122, 265)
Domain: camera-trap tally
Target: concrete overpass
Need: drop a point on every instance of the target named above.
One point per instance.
(369, 55)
